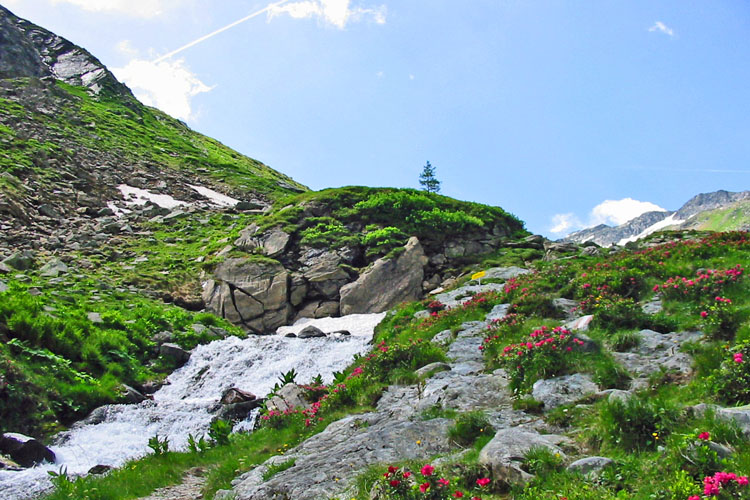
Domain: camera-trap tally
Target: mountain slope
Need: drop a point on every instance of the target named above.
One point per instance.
(717, 211)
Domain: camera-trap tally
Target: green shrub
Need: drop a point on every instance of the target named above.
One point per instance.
(219, 431)
(732, 381)
(468, 427)
(638, 423)
(623, 341)
(380, 241)
(540, 460)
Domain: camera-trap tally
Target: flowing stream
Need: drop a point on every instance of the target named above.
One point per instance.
(114, 434)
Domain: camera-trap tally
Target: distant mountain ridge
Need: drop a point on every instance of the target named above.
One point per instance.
(703, 211)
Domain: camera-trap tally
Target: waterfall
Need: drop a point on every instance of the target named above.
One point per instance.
(113, 434)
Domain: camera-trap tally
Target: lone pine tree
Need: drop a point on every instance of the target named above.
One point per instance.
(428, 180)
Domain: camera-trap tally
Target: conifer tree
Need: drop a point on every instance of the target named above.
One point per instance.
(428, 180)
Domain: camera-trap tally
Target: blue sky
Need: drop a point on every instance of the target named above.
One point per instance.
(564, 113)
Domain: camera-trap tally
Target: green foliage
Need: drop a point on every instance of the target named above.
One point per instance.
(380, 241)
(274, 469)
(158, 446)
(540, 460)
(219, 431)
(638, 423)
(468, 427)
(624, 340)
(732, 380)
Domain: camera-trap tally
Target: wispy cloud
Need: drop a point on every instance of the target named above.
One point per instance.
(660, 27)
(136, 8)
(167, 85)
(336, 13)
(611, 212)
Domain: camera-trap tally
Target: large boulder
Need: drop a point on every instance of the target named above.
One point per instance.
(505, 453)
(387, 283)
(288, 397)
(24, 450)
(323, 272)
(559, 391)
(249, 293)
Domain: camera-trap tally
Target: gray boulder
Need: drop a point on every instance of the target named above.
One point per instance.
(21, 261)
(387, 283)
(53, 268)
(504, 273)
(591, 466)
(132, 395)
(275, 242)
(565, 307)
(248, 293)
(505, 453)
(558, 391)
(235, 395)
(288, 397)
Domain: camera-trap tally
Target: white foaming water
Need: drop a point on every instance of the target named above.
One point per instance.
(114, 434)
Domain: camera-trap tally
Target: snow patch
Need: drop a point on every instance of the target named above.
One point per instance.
(669, 221)
(215, 197)
(138, 196)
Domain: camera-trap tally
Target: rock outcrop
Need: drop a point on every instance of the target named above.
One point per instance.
(387, 283)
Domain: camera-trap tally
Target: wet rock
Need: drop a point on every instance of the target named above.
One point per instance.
(175, 353)
(387, 283)
(235, 395)
(558, 391)
(309, 332)
(132, 395)
(100, 469)
(504, 454)
(238, 411)
(9, 465)
(24, 450)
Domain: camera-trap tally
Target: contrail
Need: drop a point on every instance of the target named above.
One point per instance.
(220, 30)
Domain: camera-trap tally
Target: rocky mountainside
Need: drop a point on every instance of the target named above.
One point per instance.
(717, 211)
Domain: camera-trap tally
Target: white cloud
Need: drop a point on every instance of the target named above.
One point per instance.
(620, 211)
(125, 47)
(167, 85)
(564, 223)
(411, 77)
(610, 212)
(137, 8)
(662, 28)
(334, 12)
(380, 74)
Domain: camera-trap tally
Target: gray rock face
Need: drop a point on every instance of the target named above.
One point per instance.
(27, 50)
(657, 350)
(251, 294)
(558, 391)
(275, 242)
(323, 273)
(505, 453)
(739, 415)
(387, 283)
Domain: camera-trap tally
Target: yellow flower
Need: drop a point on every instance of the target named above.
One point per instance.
(419, 441)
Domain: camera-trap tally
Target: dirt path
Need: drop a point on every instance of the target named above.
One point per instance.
(188, 489)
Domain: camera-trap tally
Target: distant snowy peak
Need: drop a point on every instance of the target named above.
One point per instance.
(693, 214)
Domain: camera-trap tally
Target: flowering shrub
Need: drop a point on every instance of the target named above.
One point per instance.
(544, 355)
(499, 329)
(731, 381)
(720, 319)
(724, 485)
(706, 283)
(399, 483)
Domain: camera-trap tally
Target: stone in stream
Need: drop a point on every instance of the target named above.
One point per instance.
(24, 450)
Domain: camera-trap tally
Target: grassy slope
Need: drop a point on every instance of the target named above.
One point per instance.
(733, 218)
(645, 467)
(112, 125)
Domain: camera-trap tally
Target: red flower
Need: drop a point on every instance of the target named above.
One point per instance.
(443, 482)
(427, 470)
(424, 487)
(705, 436)
(482, 482)
(392, 469)
(458, 494)
(407, 475)
(704, 314)
(395, 483)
